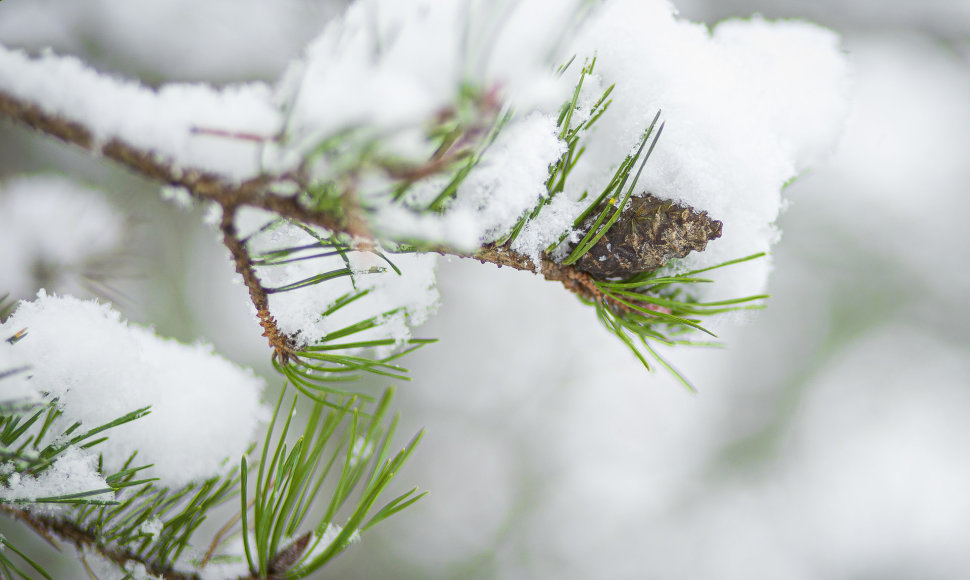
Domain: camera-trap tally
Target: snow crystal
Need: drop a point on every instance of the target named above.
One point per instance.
(151, 527)
(204, 409)
(49, 226)
(179, 196)
(162, 121)
(330, 534)
(74, 471)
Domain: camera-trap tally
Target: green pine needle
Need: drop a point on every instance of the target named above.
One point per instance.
(660, 309)
(339, 444)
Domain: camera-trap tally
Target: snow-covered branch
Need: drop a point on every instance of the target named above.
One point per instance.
(526, 135)
(256, 192)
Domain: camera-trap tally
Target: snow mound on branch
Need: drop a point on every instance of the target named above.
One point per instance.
(204, 409)
(163, 121)
(386, 69)
(747, 106)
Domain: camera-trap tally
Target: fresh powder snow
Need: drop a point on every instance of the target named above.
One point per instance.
(204, 409)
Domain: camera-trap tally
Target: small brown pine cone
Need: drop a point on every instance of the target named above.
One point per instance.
(649, 232)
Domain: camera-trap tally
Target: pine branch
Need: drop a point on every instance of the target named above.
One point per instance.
(255, 193)
(281, 343)
(575, 280)
(627, 234)
(50, 527)
(203, 185)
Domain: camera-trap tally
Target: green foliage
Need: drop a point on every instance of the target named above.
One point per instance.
(342, 449)
(357, 463)
(662, 309)
(611, 211)
(314, 368)
(456, 138)
(646, 307)
(571, 135)
(29, 447)
(326, 366)
(180, 512)
(32, 439)
(10, 569)
(6, 307)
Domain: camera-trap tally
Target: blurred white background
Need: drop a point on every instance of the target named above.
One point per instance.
(828, 440)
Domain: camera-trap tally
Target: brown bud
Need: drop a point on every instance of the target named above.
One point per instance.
(648, 234)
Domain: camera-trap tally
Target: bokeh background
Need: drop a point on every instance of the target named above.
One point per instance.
(828, 440)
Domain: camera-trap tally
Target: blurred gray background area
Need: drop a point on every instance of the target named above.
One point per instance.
(828, 440)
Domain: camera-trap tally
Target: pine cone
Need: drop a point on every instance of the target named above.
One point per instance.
(648, 234)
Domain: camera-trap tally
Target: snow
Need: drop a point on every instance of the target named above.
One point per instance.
(178, 196)
(510, 178)
(161, 121)
(49, 227)
(204, 409)
(104, 569)
(747, 106)
(392, 64)
(74, 471)
(151, 527)
(389, 67)
(322, 541)
(412, 295)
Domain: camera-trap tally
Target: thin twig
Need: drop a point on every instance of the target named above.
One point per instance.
(281, 343)
(576, 281)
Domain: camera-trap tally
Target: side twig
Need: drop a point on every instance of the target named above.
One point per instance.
(281, 343)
